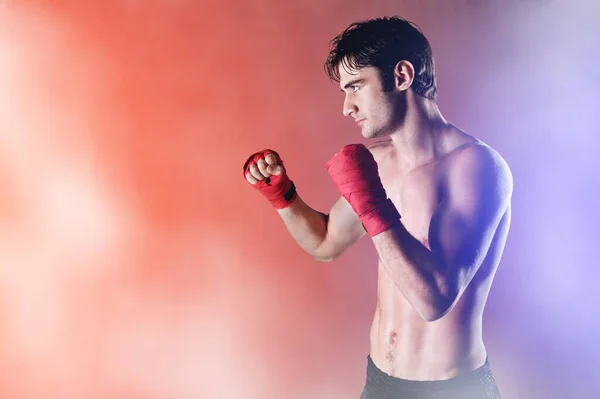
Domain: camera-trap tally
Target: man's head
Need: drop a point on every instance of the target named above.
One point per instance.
(388, 56)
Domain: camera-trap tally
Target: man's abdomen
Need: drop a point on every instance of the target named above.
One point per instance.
(405, 346)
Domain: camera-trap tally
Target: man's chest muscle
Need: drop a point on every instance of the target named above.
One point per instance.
(416, 195)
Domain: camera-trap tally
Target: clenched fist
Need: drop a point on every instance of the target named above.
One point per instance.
(263, 168)
(265, 171)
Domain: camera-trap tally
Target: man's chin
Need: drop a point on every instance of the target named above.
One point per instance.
(366, 133)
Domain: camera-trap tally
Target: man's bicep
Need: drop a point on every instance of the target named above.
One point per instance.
(343, 230)
(463, 227)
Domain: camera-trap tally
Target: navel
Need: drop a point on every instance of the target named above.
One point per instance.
(393, 337)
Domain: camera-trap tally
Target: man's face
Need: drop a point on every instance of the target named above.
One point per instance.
(378, 113)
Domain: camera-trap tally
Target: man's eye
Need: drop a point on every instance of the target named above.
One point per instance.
(354, 88)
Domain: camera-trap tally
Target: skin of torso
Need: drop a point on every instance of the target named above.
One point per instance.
(404, 345)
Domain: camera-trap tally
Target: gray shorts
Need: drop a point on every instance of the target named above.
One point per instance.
(478, 384)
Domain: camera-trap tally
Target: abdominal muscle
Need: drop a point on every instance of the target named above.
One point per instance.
(403, 345)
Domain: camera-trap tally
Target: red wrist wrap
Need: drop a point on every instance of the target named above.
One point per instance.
(355, 173)
(279, 190)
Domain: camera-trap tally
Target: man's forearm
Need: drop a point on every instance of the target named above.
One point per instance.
(414, 270)
(307, 226)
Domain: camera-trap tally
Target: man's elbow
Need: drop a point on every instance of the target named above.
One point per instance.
(325, 258)
(434, 310)
(433, 315)
(322, 259)
(326, 253)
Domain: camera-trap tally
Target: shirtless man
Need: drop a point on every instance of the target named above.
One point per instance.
(434, 200)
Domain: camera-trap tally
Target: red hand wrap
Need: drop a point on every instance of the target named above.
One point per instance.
(354, 171)
(279, 190)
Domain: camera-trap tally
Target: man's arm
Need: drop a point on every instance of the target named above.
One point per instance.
(324, 237)
(477, 195)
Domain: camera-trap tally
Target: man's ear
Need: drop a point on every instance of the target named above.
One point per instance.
(404, 73)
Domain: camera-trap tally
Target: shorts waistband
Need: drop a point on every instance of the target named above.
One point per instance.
(480, 376)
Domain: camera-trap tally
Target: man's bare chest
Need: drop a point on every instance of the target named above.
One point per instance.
(416, 195)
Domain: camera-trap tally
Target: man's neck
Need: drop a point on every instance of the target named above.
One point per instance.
(417, 140)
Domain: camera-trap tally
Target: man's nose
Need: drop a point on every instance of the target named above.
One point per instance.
(349, 107)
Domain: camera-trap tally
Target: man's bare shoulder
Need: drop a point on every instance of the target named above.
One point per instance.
(474, 151)
(460, 146)
(477, 158)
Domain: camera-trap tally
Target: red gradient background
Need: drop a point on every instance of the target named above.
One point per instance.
(136, 263)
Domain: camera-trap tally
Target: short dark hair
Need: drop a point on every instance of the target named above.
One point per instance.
(382, 43)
